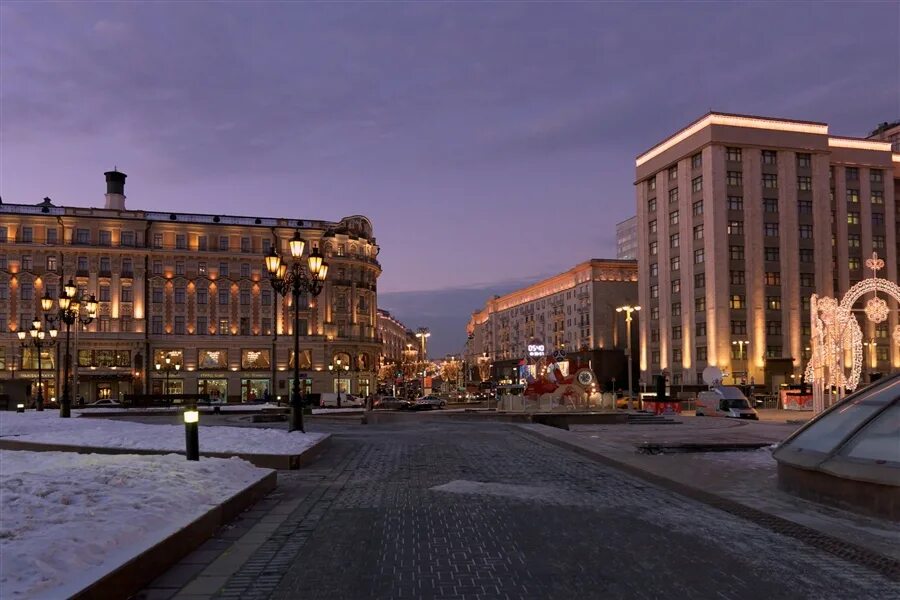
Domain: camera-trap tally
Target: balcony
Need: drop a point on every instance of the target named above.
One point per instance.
(126, 275)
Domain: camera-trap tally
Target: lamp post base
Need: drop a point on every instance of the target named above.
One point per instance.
(296, 419)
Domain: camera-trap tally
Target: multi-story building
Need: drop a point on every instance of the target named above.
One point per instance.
(193, 288)
(626, 239)
(888, 132)
(740, 220)
(394, 336)
(572, 312)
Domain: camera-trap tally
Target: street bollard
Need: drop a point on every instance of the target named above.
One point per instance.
(20, 407)
(192, 433)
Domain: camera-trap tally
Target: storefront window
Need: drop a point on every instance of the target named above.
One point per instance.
(123, 358)
(176, 386)
(85, 358)
(29, 359)
(305, 386)
(105, 358)
(363, 388)
(255, 359)
(305, 359)
(175, 356)
(216, 388)
(342, 386)
(2, 359)
(254, 389)
(212, 359)
(104, 391)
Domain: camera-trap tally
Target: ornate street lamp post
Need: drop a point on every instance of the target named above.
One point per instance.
(167, 368)
(73, 308)
(295, 279)
(337, 367)
(38, 340)
(628, 310)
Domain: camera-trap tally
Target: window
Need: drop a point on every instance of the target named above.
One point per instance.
(700, 305)
(804, 207)
(3, 234)
(82, 263)
(223, 269)
(770, 181)
(223, 242)
(698, 256)
(105, 264)
(739, 327)
(245, 297)
(654, 291)
(654, 313)
(701, 353)
(804, 183)
(179, 267)
(676, 332)
(105, 238)
(201, 268)
(127, 238)
(676, 309)
(737, 302)
(696, 161)
(245, 326)
(82, 236)
(773, 351)
(853, 240)
(807, 280)
(881, 353)
(245, 270)
(735, 227)
(676, 358)
(806, 255)
(179, 325)
(224, 327)
(651, 205)
(699, 280)
(202, 296)
(201, 242)
(877, 197)
(104, 293)
(223, 297)
(876, 176)
(245, 244)
(127, 267)
(654, 270)
(126, 293)
(853, 263)
(654, 335)
(852, 218)
(157, 295)
(676, 286)
(806, 232)
(697, 184)
(266, 325)
(877, 218)
(652, 226)
(737, 278)
(736, 252)
(654, 357)
(202, 325)
(773, 278)
(266, 297)
(773, 302)
(852, 174)
(878, 242)
(735, 203)
(769, 157)
(853, 196)
(27, 235)
(51, 235)
(157, 240)
(674, 240)
(654, 248)
(179, 294)
(881, 331)
(673, 173)
(734, 178)
(27, 264)
(26, 292)
(651, 184)
(157, 267)
(772, 254)
(181, 241)
(673, 195)
(156, 325)
(698, 232)
(675, 263)
(770, 229)
(673, 217)
(697, 208)
(804, 161)
(733, 154)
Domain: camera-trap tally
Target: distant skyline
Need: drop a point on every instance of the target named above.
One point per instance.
(487, 142)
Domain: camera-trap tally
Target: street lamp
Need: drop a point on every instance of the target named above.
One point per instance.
(628, 310)
(37, 338)
(423, 334)
(741, 354)
(167, 367)
(295, 280)
(73, 307)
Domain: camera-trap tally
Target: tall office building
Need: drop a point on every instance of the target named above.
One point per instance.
(192, 288)
(740, 220)
(626, 239)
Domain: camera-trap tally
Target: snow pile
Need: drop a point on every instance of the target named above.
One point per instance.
(121, 410)
(46, 427)
(68, 519)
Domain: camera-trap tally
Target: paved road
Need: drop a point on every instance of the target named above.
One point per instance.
(394, 511)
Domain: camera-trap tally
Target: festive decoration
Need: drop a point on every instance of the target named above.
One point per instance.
(897, 334)
(877, 310)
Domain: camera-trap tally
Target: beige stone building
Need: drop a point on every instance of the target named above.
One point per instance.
(191, 287)
(394, 337)
(570, 312)
(740, 220)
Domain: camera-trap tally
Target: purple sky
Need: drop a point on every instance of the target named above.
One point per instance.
(486, 141)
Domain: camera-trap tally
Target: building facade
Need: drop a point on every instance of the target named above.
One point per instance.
(574, 311)
(394, 337)
(626, 239)
(192, 288)
(740, 220)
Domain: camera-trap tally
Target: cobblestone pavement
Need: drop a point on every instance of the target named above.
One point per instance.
(515, 517)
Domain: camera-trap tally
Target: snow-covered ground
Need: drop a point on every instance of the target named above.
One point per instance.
(48, 427)
(119, 410)
(68, 519)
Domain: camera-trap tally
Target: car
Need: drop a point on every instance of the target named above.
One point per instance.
(429, 402)
(392, 402)
(330, 400)
(105, 402)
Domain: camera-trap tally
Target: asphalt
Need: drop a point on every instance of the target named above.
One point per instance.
(434, 509)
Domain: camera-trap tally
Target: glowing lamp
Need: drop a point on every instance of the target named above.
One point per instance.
(191, 415)
(296, 244)
(54, 332)
(46, 302)
(323, 272)
(20, 407)
(314, 262)
(70, 289)
(21, 335)
(273, 261)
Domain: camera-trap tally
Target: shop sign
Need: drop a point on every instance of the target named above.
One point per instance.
(536, 349)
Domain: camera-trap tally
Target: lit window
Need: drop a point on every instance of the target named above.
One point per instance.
(697, 184)
(770, 181)
(735, 178)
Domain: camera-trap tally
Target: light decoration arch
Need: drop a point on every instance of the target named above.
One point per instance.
(835, 333)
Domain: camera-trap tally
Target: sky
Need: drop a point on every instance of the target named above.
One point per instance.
(490, 143)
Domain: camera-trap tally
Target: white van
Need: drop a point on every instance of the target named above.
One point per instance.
(329, 400)
(724, 401)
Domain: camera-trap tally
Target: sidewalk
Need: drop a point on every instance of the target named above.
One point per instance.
(747, 478)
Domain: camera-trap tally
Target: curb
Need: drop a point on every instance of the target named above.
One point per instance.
(885, 565)
(131, 577)
(281, 462)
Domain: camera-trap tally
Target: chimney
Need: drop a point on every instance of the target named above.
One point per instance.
(115, 190)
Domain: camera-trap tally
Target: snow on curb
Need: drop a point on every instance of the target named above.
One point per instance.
(68, 520)
(48, 428)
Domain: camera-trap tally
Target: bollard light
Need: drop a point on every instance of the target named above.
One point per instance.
(192, 433)
(20, 407)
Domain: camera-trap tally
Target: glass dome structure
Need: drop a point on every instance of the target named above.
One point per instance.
(850, 454)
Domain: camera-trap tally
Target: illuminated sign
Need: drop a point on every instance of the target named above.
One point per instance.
(535, 349)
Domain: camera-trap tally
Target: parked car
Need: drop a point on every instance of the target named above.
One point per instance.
(724, 401)
(329, 400)
(105, 402)
(392, 402)
(429, 402)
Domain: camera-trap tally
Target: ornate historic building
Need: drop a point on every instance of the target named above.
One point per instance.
(190, 287)
(394, 337)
